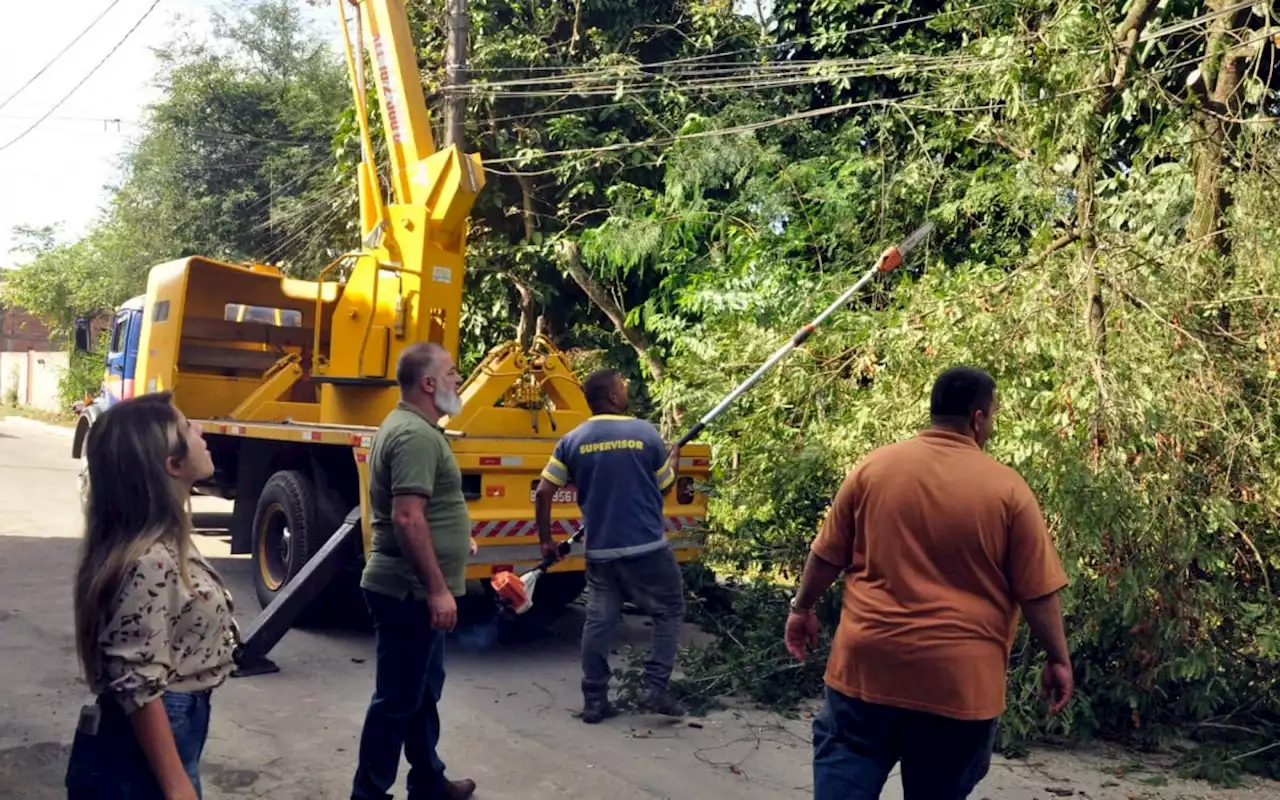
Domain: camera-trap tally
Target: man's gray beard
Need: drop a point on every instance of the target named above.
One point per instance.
(448, 402)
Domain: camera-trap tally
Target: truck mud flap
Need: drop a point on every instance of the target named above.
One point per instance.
(277, 618)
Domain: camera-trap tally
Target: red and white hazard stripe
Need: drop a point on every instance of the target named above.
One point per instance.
(506, 529)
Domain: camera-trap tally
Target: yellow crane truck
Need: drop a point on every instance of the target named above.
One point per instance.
(290, 378)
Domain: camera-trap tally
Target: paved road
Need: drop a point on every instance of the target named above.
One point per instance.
(507, 709)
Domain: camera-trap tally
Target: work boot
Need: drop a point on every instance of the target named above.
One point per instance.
(661, 701)
(458, 790)
(597, 709)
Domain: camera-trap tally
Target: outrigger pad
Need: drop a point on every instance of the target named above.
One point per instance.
(269, 627)
(247, 666)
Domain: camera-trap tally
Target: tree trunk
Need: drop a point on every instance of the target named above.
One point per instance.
(1126, 38)
(571, 260)
(1217, 82)
(1095, 308)
(524, 284)
(577, 24)
(525, 327)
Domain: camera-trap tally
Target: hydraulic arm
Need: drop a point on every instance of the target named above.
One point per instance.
(405, 284)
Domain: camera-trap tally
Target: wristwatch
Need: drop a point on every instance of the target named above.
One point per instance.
(795, 609)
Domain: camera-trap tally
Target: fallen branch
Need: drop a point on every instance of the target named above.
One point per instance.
(1255, 752)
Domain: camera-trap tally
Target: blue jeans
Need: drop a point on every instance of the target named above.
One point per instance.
(402, 715)
(110, 765)
(653, 582)
(857, 744)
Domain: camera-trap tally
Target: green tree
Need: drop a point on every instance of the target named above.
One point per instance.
(1069, 261)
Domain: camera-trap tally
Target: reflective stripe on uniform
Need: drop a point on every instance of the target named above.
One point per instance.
(555, 472)
(623, 552)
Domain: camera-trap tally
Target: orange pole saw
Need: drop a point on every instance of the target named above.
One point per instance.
(516, 592)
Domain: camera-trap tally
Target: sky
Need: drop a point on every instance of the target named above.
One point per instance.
(58, 173)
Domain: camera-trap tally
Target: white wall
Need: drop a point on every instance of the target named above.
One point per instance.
(35, 375)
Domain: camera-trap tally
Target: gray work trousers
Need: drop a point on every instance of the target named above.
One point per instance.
(653, 582)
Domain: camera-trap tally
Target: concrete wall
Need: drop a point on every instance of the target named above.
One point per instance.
(34, 375)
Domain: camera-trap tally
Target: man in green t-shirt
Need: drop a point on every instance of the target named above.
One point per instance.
(416, 567)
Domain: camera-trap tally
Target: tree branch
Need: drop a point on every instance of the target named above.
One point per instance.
(571, 260)
(525, 327)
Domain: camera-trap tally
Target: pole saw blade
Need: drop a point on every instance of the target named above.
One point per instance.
(917, 236)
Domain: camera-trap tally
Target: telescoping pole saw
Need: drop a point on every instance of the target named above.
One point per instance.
(516, 593)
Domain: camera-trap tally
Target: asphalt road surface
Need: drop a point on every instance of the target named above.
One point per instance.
(507, 710)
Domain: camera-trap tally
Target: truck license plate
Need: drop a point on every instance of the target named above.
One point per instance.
(568, 494)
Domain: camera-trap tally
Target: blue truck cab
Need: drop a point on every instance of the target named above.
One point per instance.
(121, 359)
(122, 354)
(118, 373)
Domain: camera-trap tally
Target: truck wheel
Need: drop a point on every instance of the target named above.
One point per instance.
(284, 534)
(82, 481)
(81, 453)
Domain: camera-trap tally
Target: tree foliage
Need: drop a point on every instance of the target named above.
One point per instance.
(1134, 344)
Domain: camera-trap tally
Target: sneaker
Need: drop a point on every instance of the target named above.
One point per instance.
(660, 701)
(597, 709)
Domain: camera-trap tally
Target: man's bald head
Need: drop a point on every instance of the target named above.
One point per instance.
(418, 361)
(429, 380)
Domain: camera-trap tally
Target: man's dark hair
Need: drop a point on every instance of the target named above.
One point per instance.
(597, 387)
(415, 361)
(960, 391)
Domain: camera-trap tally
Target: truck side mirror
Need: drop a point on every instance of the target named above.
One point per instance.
(82, 343)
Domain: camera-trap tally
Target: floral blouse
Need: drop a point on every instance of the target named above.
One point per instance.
(163, 636)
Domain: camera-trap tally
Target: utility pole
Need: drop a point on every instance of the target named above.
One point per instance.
(455, 71)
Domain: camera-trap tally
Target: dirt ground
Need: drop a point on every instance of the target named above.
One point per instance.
(507, 709)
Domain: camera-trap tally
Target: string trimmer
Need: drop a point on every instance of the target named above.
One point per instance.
(515, 593)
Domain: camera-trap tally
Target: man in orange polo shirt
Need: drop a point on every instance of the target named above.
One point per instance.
(940, 545)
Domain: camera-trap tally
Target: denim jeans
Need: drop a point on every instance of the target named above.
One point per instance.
(402, 715)
(857, 744)
(653, 582)
(110, 765)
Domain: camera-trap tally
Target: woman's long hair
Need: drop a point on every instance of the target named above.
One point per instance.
(133, 503)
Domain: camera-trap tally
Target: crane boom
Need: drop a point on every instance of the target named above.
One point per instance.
(406, 284)
(400, 94)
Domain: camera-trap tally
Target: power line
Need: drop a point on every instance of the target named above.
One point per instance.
(60, 53)
(747, 128)
(694, 60)
(743, 83)
(83, 80)
(623, 76)
(903, 102)
(195, 133)
(585, 80)
(610, 82)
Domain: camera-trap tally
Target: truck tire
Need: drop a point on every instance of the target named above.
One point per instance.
(82, 481)
(81, 453)
(285, 535)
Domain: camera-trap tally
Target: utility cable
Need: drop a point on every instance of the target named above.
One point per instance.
(780, 45)
(699, 66)
(60, 53)
(903, 102)
(609, 79)
(83, 80)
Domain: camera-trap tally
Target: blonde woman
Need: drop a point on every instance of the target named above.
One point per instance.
(154, 627)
